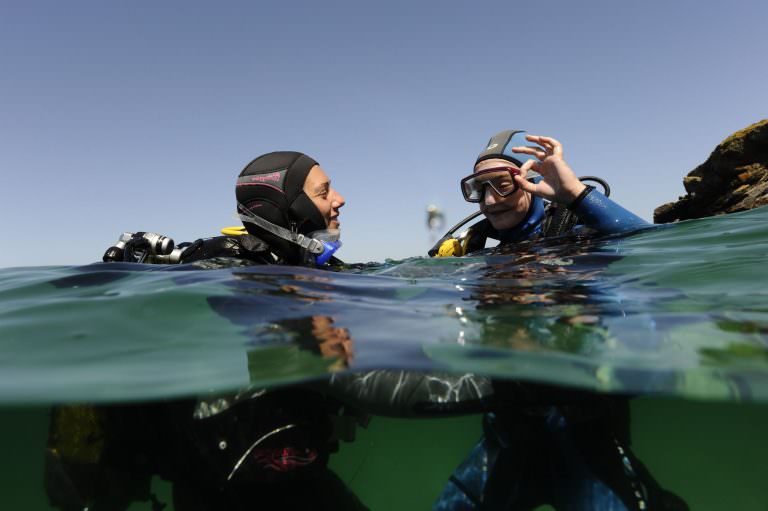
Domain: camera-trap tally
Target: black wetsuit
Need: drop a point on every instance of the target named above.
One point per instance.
(267, 449)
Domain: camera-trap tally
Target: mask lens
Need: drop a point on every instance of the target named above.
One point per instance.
(472, 190)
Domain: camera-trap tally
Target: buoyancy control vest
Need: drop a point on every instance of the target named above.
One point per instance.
(235, 244)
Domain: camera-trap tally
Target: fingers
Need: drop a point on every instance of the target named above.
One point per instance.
(523, 183)
(552, 145)
(527, 165)
(533, 151)
(526, 185)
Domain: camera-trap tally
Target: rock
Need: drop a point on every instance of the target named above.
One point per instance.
(734, 178)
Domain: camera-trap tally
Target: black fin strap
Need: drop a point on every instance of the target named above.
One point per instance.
(578, 200)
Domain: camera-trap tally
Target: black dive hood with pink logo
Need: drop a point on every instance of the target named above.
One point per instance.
(271, 187)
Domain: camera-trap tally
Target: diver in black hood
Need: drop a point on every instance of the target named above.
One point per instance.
(261, 448)
(290, 215)
(286, 199)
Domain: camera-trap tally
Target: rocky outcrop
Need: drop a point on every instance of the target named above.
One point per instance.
(734, 178)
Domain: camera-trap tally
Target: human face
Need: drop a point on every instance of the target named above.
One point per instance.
(503, 212)
(327, 200)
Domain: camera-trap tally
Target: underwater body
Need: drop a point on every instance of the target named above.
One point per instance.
(675, 316)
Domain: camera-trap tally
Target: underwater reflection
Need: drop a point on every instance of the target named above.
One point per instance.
(281, 339)
(544, 444)
(265, 446)
(334, 342)
(293, 345)
(553, 299)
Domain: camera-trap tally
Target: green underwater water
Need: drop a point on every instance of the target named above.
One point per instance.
(711, 454)
(677, 316)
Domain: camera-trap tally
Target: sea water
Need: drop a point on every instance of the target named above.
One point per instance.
(676, 316)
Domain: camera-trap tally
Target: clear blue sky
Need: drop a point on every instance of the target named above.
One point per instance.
(139, 115)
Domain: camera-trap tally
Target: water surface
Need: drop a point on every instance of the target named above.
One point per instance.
(676, 316)
(680, 310)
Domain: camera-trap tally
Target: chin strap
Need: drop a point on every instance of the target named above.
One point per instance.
(311, 245)
(321, 251)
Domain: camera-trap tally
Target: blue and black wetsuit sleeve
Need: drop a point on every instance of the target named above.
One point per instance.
(598, 212)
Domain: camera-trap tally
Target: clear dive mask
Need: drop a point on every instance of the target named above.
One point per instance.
(500, 179)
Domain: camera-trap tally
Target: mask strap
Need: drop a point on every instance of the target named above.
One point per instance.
(311, 245)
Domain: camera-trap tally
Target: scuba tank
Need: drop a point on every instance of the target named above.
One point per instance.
(143, 247)
(153, 248)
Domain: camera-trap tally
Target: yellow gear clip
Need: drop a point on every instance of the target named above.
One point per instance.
(233, 231)
(450, 247)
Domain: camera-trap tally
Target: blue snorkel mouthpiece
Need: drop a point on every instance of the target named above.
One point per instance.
(330, 242)
(329, 248)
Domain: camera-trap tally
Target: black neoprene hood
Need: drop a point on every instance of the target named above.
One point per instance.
(272, 187)
(500, 146)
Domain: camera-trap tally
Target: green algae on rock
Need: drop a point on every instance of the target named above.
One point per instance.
(734, 178)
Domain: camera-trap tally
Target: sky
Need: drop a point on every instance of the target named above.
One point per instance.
(138, 116)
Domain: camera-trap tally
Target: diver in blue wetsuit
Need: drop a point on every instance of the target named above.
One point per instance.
(525, 190)
(544, 445)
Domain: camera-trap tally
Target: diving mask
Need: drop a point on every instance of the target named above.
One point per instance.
(500, 179)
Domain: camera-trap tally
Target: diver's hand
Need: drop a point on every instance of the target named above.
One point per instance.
(559, 183)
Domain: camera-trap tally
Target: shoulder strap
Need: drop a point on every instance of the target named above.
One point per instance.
(244, 246)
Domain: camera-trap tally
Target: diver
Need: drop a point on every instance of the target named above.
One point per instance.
(526, 190)
(545, 445)
(289, 212)
(286, 200)
(261, 448)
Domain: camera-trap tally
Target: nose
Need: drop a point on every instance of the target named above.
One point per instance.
(489, 196)
(338, 200)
